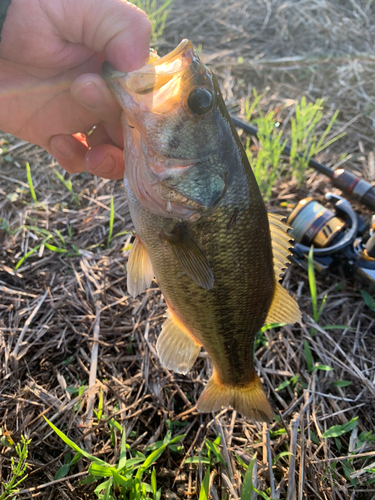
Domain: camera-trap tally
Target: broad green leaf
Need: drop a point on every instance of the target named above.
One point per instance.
(196, 460)
(247, 486)
(368, 300)
(283, 385)
(342, 383)
(53, 248)
(102, 486)
(204, 493)
(121, 480)
(30, 181)
(63, 471)
(153, 482)
(323, 367)
(280, 455)
(339, 430)
(101, 470)
(107, 493)
(72, 445)
(215, 450)
(122, 459)
(308, 356)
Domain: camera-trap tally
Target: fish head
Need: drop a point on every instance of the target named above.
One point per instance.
(175, 133)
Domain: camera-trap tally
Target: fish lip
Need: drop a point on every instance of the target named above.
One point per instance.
(138, 80)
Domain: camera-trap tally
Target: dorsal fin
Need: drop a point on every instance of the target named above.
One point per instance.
(281, 244)
(283, 308)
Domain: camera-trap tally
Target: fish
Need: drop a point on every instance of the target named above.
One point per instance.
(203, 231)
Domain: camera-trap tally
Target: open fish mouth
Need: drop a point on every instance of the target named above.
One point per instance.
(157, 84)
(156, 107)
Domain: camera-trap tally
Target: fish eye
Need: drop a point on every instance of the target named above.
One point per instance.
(200, 101)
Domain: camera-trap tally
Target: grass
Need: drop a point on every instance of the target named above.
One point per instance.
(18, 470)
(68, 185)
(134, 390)
(111, 220)
(157, 12)
(30, 182)
(125, 480)
(305, 141)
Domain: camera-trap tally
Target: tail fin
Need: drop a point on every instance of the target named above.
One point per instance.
(248, 400)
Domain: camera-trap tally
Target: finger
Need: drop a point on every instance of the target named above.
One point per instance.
(116, 28)
(106, 161)
(69, 152)
(93, 93)
(123, 36)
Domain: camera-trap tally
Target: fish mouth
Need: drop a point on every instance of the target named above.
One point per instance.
(153, 84)
(158, 88)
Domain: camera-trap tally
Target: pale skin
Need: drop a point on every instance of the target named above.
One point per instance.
(51, 91)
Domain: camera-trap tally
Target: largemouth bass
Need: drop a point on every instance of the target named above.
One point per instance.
(202, 227)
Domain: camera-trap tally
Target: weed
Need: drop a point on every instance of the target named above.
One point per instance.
(68, 185)
(126, 477)
(317, 311)
(30, 182)
(18, 470)
(304, 141)
(368, 300)
(268, 163)
(210, 455)
(30, 252)
(339, 430)
(157, 12)
(111, 220)
(248, 488)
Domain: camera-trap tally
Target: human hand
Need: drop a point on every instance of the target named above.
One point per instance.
(51, 91)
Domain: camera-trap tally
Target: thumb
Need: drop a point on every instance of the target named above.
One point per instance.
(116, 28)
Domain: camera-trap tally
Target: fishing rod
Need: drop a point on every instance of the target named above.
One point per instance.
(346, 181)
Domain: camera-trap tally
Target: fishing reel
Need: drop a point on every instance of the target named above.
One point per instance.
(339, 238)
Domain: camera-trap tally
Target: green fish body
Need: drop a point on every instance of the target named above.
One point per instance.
(202, 227)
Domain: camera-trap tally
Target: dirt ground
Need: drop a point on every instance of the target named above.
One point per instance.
(69, 331)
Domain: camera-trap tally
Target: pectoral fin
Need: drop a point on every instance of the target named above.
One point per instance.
(176, 348)
(190, 256)
(140, 273)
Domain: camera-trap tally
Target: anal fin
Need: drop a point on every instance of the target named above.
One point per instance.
(190, 256)
(249, 400)
(284, 309)
(139, 269)
(176, 348)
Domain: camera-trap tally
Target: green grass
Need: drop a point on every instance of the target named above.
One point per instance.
(18, 471)
(127, 480)
(111, 221)
(267, 162)
(30, 182)
(157, 12)
(68, 185)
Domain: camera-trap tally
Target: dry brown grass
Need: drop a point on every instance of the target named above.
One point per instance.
(67, 320)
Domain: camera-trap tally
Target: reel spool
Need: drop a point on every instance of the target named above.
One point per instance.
(336, 237)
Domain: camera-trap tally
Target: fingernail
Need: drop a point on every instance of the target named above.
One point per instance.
(105, 167)
(61, 145)
(89, 95)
